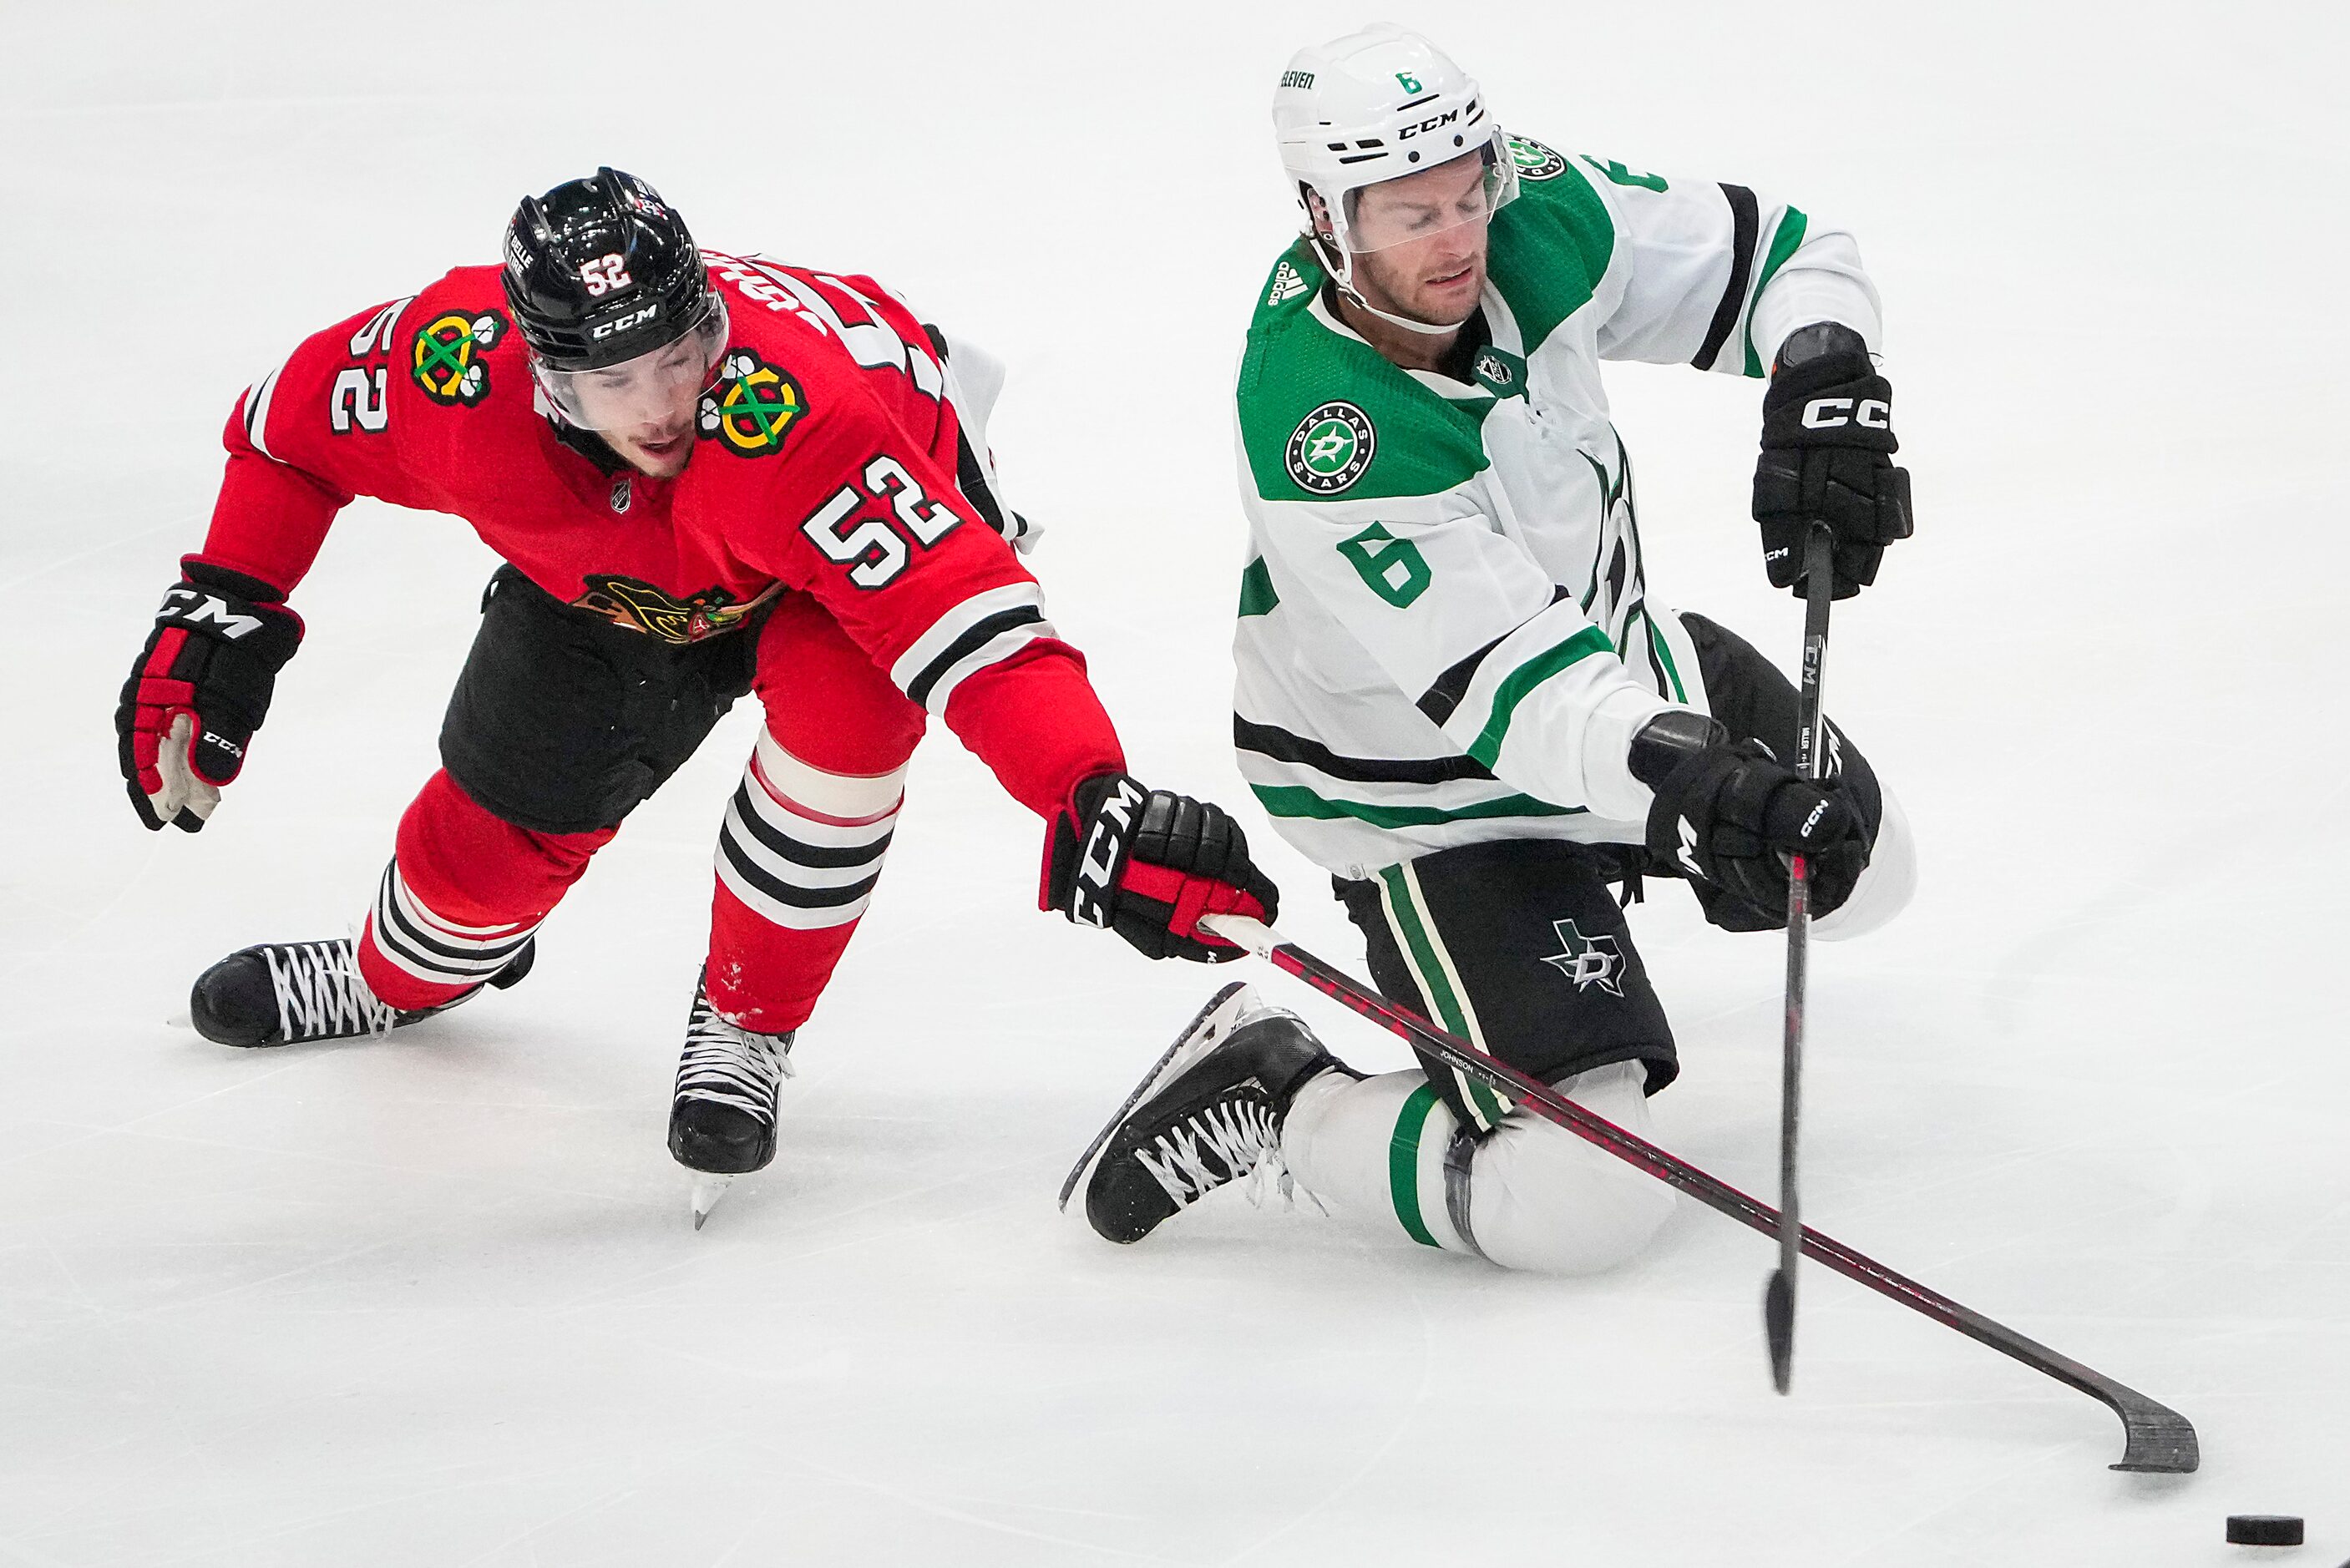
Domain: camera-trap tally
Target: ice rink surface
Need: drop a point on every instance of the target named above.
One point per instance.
(434, 1300)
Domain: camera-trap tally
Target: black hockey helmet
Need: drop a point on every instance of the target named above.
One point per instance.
(601, 270)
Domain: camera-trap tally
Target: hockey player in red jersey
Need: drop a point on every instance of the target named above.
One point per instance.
(709, 476)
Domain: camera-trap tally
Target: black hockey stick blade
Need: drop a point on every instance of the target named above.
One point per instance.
(2157, 1437)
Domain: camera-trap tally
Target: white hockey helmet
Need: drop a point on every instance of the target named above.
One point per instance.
(1371, 107)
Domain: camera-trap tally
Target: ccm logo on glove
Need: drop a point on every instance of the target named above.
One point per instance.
(1105, 847)
(1827, 413)
(191, 607)
(1147, 864)
(199, 690)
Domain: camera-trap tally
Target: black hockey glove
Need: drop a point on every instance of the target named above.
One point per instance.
(200, 690)
(1149, 864)
(1727, 817)
(1827, 446)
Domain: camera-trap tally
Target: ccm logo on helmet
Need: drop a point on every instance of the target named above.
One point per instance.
(625, 322)
(1827, 413)
(1425, 126)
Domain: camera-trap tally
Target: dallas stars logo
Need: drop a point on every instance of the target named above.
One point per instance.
(752, 406)
(445, 356)
(1534, 160)
(1588, 960)
(1330, 448)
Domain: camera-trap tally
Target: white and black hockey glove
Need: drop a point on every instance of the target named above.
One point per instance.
(1728, 816)
(1148, 864)
(1827, 456)
(200, 690)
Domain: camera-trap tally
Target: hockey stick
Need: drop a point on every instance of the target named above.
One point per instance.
(1811, 760)
(2157, 1438)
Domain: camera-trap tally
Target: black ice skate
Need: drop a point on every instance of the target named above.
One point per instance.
(722, 1124)
(291, 994)
(1208, 1114)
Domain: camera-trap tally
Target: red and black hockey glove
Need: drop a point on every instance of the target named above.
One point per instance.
(200, 690)
(1149, 864)
(1727, 817)
(1827, 455)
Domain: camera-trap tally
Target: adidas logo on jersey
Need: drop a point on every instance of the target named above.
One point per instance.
(1287, 284)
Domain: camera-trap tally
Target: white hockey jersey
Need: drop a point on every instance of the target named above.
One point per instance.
(1445, 632)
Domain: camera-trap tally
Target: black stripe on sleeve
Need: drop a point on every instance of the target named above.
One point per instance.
(918, 687)
(1439, 700)
(1266, 740)
(1747, 224)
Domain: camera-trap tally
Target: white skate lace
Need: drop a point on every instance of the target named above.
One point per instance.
(1238, 1134)
(731, 1066)
(320, 995)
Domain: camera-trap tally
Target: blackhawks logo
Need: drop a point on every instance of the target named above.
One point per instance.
(1330, 448)
(1588, 960)
(640, 606)
(446, 355)
(1534, 160)
(751, 406)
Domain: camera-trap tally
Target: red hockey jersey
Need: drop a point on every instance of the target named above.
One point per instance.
(830, 461)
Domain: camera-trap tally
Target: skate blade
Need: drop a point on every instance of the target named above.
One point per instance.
(707, 1191)
(1206, 1030)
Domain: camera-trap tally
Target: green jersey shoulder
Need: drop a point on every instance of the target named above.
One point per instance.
(1324, 416)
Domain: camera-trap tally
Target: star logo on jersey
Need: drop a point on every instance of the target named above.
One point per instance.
(1534, 160)
(445, 356)
(1588, 960)
(1330, 448)
(1288, 284)
(640, 606)
(750, 406)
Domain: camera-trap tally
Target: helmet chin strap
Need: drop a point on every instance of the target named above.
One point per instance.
(1406, 322)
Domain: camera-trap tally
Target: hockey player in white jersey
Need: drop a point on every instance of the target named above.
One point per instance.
(1455, 693)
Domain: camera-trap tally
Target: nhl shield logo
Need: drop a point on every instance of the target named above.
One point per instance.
(1330, 448)
(1588, 960)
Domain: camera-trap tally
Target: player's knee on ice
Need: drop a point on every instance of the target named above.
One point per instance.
(1545, 1200)
(1532, 1196)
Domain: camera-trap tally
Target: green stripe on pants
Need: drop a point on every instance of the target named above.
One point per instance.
(1403, 1162)
(1419, 943)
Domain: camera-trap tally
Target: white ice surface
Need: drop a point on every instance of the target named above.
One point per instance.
(436, 1300)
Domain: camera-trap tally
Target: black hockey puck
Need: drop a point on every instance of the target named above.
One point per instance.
(2263, 1529)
